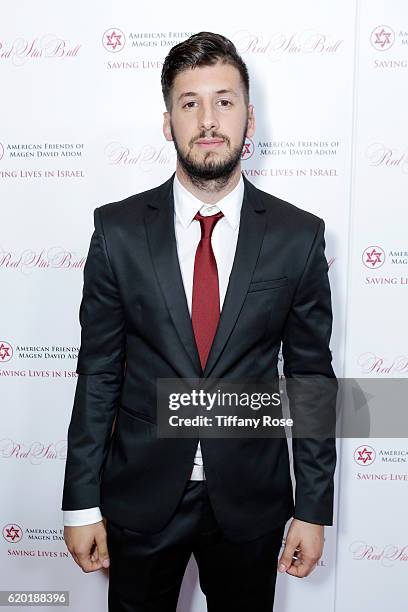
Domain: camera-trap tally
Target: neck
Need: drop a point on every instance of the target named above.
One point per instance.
(209, 192)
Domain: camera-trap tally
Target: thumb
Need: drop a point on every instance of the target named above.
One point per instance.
(286, 558)
(102, 548)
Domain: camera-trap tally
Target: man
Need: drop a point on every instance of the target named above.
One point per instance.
(201, 277)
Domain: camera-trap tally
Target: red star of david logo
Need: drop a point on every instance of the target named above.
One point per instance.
(247, 149)
(114, 40)
(373, 257)
(382, 38)
(12, 533)
(364, 455)
(5, 354)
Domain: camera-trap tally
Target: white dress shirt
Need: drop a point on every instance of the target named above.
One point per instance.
(188, 234)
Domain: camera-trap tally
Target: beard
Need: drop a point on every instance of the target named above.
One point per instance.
(209, 174)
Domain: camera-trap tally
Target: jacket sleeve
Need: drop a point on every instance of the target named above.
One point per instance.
(100, 368)
(312, 387)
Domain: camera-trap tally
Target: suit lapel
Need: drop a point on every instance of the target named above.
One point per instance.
(163, 248)
(159, 224)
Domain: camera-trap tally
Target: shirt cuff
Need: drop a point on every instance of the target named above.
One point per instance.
(76, 518)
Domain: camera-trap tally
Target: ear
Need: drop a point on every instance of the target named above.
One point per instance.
(166, 126)
(251, 121)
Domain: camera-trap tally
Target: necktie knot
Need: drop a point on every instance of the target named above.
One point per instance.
(207, 223)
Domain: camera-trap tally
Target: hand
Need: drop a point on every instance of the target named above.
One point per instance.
(304, 541)
(88, 546)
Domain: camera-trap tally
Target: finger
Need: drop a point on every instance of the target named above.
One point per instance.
(286, 558)
(95, 554)
(294, 571)
(102, 548)
(302, 570)
(297, 558)
(87, 564)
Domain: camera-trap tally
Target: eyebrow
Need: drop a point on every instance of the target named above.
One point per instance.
(189, 94)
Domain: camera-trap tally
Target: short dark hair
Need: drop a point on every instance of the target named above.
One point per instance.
(201, 49)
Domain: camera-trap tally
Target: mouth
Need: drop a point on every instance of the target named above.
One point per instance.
(207, 143)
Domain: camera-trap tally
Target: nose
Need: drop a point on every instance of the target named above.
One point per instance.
(208, 118)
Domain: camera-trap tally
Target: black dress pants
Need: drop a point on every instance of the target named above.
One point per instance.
(146, 571)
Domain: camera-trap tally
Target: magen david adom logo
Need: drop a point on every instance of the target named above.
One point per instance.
(247, 149)
(382, 38)
(113, 40)
(373, 257)
(364, 455)
(6, 351)
(12, 533)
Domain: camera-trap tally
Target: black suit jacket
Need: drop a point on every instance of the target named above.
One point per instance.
(136, 328)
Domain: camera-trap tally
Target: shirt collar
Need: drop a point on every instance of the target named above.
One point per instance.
(186, 205)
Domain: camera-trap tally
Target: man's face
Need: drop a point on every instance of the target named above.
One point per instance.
(209, 120)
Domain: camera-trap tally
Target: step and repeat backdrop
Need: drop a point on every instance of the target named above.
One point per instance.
(81, 125)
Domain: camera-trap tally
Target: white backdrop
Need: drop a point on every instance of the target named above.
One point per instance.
(81, 114)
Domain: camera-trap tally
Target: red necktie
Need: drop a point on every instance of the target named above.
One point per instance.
(205, 310)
